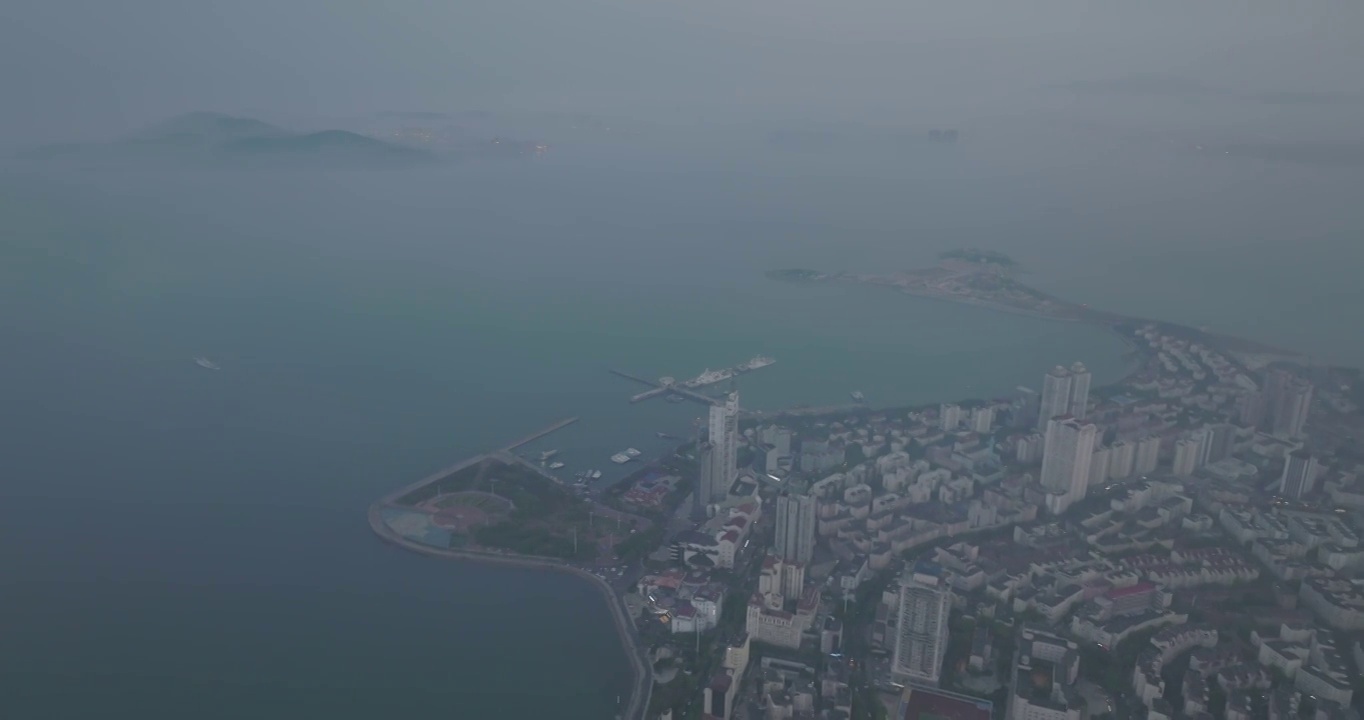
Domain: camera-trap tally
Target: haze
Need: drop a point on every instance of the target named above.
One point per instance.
(83, 68)
(237, 310)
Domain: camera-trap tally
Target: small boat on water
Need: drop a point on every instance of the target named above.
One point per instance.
(620, 458)
(857, 396)
(633, 453)
(548, 454)
(666, 436)
(555, 465)
(596, 475)
(675, 398)
(207, 364)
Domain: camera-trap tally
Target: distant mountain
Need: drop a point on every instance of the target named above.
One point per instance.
(202, 137)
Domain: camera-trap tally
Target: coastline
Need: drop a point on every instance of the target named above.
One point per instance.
(642, 674)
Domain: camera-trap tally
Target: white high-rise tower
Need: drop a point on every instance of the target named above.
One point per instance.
(724, 439)
(1079, 390)
(1055, 396)
(921, 628)
(1066, 457)
(795, 540)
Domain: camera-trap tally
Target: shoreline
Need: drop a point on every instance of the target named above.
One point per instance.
(641, 689)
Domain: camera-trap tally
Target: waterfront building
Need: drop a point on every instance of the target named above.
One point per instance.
(950, 416)
(1055, 400)
(1299, 475)
(1066, 455)
(1079, 390)
(724, 437)
(795, 528)
(1148, 456)
(982, 419)
(921, 629)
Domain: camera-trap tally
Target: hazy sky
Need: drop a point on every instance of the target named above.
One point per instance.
(82, 66)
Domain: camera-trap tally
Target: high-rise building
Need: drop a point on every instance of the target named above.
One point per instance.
(1276, 382)
(1290, 412)
(1055, 399)
(982, 419)
(1068, 450)
(1221, 438)
(1028, 449)
(1188, 452)
(724, 436)
(1299, 475)
(1098, 468)
(949, 416)
(1253, 408)
(795, 540)
(921, 627)
(1121, 458)
(705, 482)
(1148, 456)
(1079, 390)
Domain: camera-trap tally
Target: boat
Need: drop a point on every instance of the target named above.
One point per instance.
(709, 377)
(555, 465)
(675, 398)
(633, 453)
(857, 396)
(620, 458)
(596, 475)
(665, 436)
(760, 361)
(205, 363)
(548, 454)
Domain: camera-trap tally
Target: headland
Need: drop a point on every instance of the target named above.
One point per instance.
(986, 278)
(498, 508)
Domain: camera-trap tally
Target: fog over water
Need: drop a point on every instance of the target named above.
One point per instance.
(180, 541)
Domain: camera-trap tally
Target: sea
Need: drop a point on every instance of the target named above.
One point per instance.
(177, 541)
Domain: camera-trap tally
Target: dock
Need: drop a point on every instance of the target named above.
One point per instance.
(690, 389)
(541, 433)
(636, 378)
(661, 389)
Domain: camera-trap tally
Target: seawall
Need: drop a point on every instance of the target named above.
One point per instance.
(641, 686)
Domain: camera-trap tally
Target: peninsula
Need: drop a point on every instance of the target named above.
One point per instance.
(500, 508)
(972, 276)
(985, 278)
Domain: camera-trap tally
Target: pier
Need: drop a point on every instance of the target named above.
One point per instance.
(541, 433)
(690, 389)
(662, 389)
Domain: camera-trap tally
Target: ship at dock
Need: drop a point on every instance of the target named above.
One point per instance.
(710, 377)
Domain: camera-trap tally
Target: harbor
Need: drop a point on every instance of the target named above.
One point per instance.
(675, 391)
